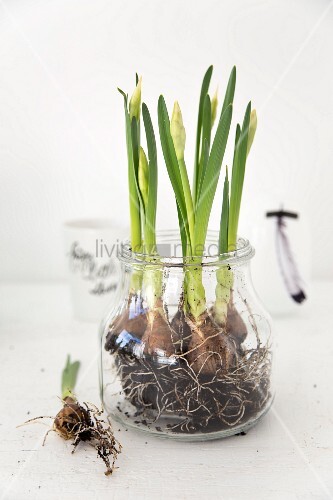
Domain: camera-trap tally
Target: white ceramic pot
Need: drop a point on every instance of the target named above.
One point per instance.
(91, 248)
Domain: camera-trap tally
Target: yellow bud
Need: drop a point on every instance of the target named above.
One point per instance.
(214, 105)
(178, 131)
(135, 102)
(143, 176)
(252, 129)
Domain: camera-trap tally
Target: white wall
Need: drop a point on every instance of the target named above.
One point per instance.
(62, 149)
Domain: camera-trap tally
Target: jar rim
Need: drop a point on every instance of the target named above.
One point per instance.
(243, 252)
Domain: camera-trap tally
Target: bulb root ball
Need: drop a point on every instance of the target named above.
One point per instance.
(78, 423)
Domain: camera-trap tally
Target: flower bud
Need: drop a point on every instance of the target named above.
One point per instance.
(178, 131)
(252, 129)
(135, 102)
(214, 105)
(143, 176)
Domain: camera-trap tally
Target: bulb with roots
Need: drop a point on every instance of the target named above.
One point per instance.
(78, 423)
(211, 349)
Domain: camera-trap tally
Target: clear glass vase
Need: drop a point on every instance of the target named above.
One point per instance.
(169, 371)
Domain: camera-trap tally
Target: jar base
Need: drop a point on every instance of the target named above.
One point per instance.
(192, 437)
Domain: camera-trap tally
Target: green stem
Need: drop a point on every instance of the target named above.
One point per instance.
(153, 281)
(135, 223)
(136, 281)
(225, 279)
(223, 236)
(195, 295)
(134, 201)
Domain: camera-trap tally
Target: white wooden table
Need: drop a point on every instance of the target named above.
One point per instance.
(289, 455)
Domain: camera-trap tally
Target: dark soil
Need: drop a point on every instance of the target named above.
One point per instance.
(195, 372)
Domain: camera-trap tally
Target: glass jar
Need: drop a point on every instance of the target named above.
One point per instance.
(169, 372)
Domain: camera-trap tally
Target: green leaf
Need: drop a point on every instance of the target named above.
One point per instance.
(206, 133)
(135, 145)
(183, 237)
(136, 152)
(203, 93)
(230, 92)
(210, 181)
(187, 197)
(68, 378)
(223, 237)
(171, 161)
(125, 96)
(135, 216)
(207, 120)
(150, 234)
(237, 180)
(143, 176)
(238, 133)
(213, 167)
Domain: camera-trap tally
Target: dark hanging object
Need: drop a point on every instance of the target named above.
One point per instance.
(285, 256)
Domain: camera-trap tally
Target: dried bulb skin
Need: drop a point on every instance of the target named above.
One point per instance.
(235, 325)
(181, 332)
(71, 419)
(136, 326)
(158, 335)
(232, 322)
(133, 320)
(210, 349)
(136, 321)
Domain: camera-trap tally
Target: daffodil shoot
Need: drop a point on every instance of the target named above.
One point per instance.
(82, 422)
(183, 346)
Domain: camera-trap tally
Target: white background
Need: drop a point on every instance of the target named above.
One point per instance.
(62, 145)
